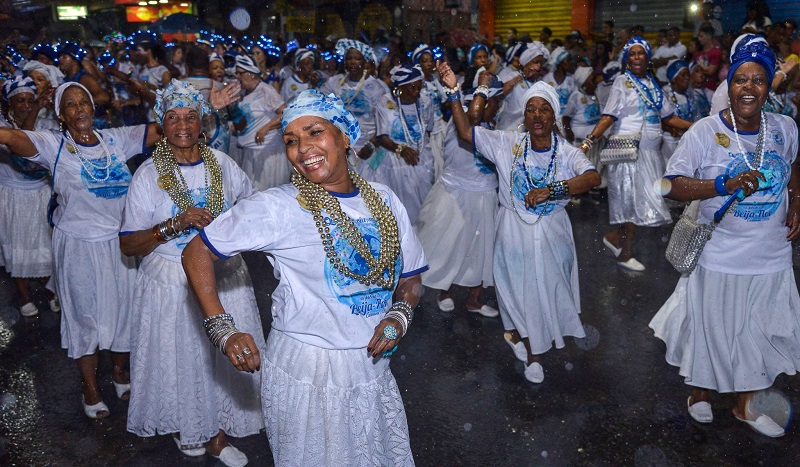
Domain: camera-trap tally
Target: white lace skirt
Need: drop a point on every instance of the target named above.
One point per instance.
(25, 244)
(456, 230)
(180, 383)
(732, 333)
(536, 278)
(632, 196)
(94, 282)
(267, 167)
(331, 407)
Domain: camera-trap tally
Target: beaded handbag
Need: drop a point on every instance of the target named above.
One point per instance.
(621, 148)
(689, 236)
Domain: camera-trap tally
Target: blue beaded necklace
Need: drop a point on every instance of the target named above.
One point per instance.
(644, 91)
(552, 171)
(686, 116)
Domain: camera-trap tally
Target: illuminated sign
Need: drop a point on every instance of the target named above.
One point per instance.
(68, 13)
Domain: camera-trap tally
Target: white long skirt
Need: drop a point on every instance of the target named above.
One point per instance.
(331, 407)
(456, 230)
(180, 383)
(732, 333)
(436, 141)
(234, 151)
(25, 244)
(411, 183)
(267, 167)
(536, 278)
(632, 196)
(94, 282)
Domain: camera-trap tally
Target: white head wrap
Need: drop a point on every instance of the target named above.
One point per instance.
(581, 74)
(546, 92)
(52, 73)
(534, 49)
(60, 93)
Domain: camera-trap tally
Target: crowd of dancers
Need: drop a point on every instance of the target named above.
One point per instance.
(133, 185)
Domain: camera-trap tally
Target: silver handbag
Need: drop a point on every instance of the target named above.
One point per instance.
(689, 237)
(621, 148)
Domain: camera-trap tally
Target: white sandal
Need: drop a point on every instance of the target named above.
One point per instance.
(96, 411)
(123, 390)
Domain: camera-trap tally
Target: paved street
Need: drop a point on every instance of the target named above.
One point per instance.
(609, 399)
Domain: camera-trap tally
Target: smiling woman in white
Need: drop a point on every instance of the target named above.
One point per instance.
(179, 383)
(349, 267)
(535, 265)
(93, 279)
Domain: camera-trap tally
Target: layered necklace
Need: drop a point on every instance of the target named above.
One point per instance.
(415, 144)
(758, 156)
(382, 268)
(646, 92)
(170, 178)
(88, 165)
(552, 170)
(358, 87)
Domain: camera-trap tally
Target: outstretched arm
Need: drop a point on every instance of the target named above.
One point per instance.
(460, 118)
(18, 142)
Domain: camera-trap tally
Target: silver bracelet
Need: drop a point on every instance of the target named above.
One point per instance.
(400, 318)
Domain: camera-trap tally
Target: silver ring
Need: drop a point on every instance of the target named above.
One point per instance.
(247, 351)
(750, 185)
(239, 357)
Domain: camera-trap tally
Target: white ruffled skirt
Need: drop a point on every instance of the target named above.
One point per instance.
(331, 407)
(536, 278)
(456, 230)
(180, 383)
(732, 333)
(267, 166)
(25, 242)
(94, 282)
(632, 193)
(411, 183)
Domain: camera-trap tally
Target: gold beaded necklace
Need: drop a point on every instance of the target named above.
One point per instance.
(315, 199)
(175, 185)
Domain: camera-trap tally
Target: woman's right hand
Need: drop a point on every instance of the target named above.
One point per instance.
(242, 351)
(193, 217)
(747, 181)
(409, 155)
(446, 75)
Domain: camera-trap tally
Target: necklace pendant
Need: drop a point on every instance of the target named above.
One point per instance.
(163, 182)
(71, 148)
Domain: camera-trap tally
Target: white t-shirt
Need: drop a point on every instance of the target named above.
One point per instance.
(511, 111)
(584, 110)
(146, 204)
(419, 122)
(152, 76)
(19, 172)
(507, 73)
(529, 169)
(90, 208)
(628, 109)
(259, 108)
(291, 88)
(465, 168)
(363, 105)
(432, 95)
(563, 89)
(313, 302)
(752, 239)
(667, 51)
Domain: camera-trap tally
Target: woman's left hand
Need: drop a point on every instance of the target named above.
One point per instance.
(536, 196)
(261, 134)
(380, 342)
(193, 217)
(242, 351)
(225, 96)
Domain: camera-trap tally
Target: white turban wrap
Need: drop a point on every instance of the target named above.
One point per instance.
(546, 92)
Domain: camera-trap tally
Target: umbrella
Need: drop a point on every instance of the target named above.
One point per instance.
(180, 22)
(463, 37)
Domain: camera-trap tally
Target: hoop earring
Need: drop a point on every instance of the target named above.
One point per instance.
(397, 92)
(205, 138)
(521, 128)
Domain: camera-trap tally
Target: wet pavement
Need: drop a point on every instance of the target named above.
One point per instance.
(609, 399)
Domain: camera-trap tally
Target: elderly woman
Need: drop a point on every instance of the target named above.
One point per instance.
(361, 93)
(535, 265)
(179, 384)
(256, 121)
(25, 249)
(733, 324)
(532, 60)
(94, 280)
(456, 223)
(403, 160)
(305, 76)
(349, 280)
(637, 107)
(47, 78)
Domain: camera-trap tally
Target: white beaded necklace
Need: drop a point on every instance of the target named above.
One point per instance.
(758, 156)
(416, 145)
(358, 87)
(88, 165)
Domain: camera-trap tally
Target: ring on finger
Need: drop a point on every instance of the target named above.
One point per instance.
(390, 332)
(239, 357)
(246, 351)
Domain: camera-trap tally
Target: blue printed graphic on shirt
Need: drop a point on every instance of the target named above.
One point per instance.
(777, 137)
(358, 106)
(362, 300)
(250, 120)
(414, 129)
(762, 204)
(702, 107)
(435, 98)
(650, 116)
(591, 113)
(483, 164)
(524, 179)
(563, 96)
(216, 130)
(111, 187)
(28, 169)
(199, 196)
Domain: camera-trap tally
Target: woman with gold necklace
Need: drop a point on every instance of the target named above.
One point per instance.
(180, 384)
(349, 266)
(93, 279)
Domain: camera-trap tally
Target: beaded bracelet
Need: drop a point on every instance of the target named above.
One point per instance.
(719, 184)
(558, 189)
(369, 145)
(454, 90)
(219, 328)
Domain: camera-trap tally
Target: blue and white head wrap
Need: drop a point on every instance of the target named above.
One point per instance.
(343, 45)
(180, 95)
(746, 39)
(515, 50)
(476, 47)
(405, 74)
(215, 57)
(640, 41)
(246, 63)
(495, 88)
(313, 103)
(557, 56)
(419, 52)
(758, 52)
(546, 92)
(60, 93)
(674, 67)
(18, 85)
(611, 71)
(533, 50)
(302, 54)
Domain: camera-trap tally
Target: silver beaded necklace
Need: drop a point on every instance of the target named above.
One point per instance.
(758, 156)
(88, 165)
